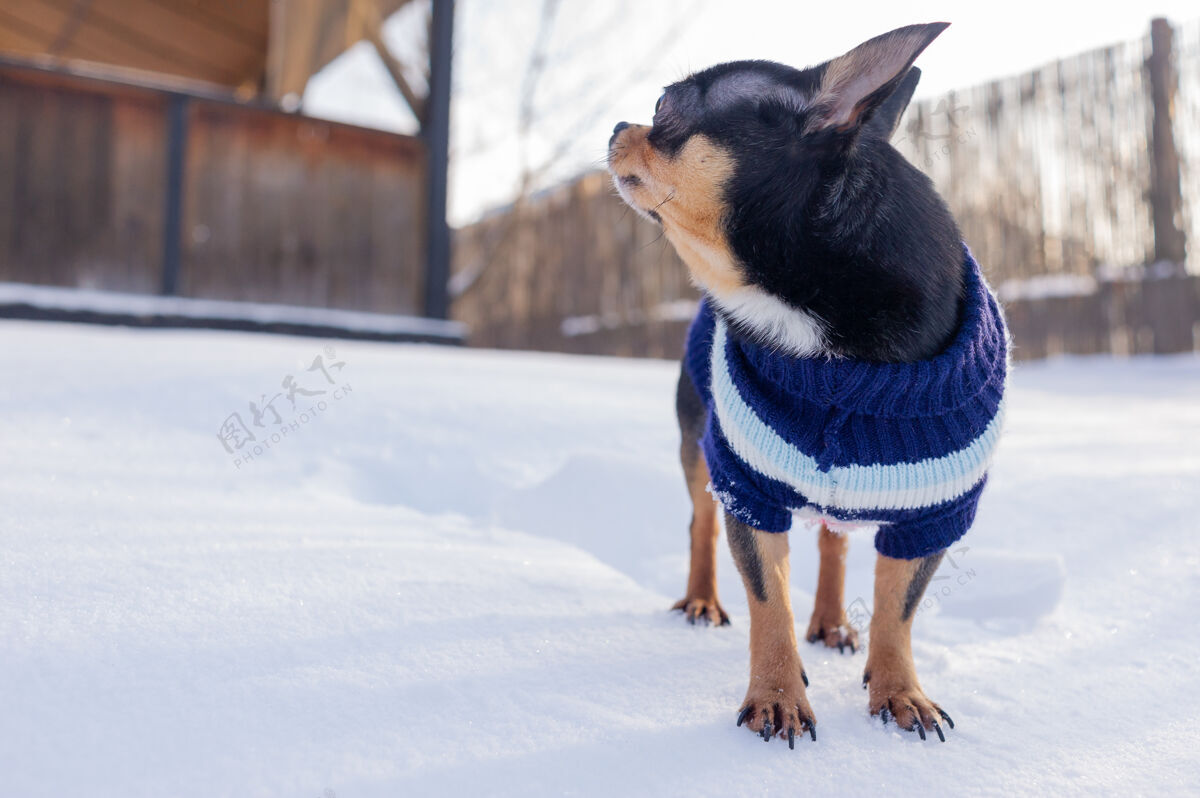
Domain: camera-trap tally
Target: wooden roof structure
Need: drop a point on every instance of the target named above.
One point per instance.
(263, 49)
(254, 51)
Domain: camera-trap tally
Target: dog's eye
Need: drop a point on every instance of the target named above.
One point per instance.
(658, 104)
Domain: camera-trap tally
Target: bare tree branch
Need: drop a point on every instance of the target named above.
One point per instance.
(530, 176)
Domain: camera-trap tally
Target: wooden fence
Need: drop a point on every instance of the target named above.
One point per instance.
(1154, 316)
(267, 206)
(1078, 174)
(574, 271)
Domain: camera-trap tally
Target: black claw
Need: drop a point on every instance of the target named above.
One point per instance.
(883, 715)
(866, 678)
(766, 732)
(945, 717)
(791, 738)
(804, 676)
(938, 729)
(745, 713)
(812, 730)
(920, 729)
(852, 649)
(724, 620)
(841, 647)
(691, 619)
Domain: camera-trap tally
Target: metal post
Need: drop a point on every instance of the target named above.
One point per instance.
(173, 213)
(435, 129)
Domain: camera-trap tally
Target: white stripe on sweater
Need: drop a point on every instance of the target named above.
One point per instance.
(902, 486)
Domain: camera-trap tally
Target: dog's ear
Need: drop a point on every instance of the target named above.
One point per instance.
(886, 119)
(855, 85)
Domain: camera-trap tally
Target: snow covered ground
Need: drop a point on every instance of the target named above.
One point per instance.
(452, 574)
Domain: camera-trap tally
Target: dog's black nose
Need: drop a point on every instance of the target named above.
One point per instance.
(620, 126)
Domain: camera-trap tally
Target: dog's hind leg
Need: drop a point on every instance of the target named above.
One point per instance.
(776, 701)
(829, 623)
(891, 675)
(701, 602)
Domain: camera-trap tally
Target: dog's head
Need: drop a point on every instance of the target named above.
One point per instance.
(746, 141)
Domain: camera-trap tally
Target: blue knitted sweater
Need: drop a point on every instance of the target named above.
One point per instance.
(904, 446)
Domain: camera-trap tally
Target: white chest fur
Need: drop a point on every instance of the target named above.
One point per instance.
(793, 331)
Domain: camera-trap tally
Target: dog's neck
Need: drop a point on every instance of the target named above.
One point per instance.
(843, 275)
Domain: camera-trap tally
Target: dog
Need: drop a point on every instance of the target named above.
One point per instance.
(847, 363)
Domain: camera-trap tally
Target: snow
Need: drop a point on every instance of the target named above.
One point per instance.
(114, 302)
(1044, 286)
(1047, 285)
(672, 310)
(455, 577)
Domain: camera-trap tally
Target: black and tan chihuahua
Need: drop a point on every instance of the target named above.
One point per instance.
(814, 241)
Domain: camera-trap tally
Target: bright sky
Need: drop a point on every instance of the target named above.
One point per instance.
(607, 61)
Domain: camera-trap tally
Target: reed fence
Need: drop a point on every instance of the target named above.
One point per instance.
(1077, 185)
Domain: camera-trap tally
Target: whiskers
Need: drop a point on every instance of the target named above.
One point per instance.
(603, 161)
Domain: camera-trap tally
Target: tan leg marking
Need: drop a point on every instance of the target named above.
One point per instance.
(776, 702)
(829, 623)
(891, 675)
(701, 602)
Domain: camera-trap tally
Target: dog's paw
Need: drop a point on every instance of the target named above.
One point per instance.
(909, 707)
(708, 610)
(782, 711)
(834, 634)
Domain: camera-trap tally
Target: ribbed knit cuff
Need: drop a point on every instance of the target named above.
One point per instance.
(908, 540)
(764, 519)
(737, 497)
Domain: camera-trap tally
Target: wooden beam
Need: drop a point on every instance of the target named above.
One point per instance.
(1166, 199)
(371, 28)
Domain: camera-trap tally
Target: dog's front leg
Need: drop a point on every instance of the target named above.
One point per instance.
(891, 675)
(776, 702)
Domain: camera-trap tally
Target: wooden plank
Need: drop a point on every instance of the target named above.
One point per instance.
(297, 210)
(138, 201)
(246, 20)
(183, 39)
(59, 186)
(20, 35)
(11, 114)
(211, 53)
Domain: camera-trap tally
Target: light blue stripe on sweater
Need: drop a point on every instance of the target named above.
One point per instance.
(900, 486)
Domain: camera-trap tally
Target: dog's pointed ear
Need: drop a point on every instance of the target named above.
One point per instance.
(886, 119)
(855, 85)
